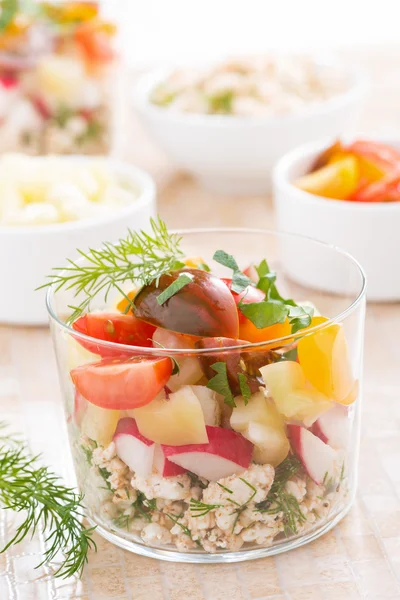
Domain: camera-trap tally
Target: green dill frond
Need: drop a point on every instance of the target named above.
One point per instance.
(200, 509)
(47, 505)
(139, 258)
(280, 502)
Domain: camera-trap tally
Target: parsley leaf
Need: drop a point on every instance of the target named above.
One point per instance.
(265, 313)
(171, 290)
(220, 384)
(244, 388)
(240, 281)
(300, 317)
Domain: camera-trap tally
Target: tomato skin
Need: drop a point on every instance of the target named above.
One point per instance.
(248, 296)
(386, 189)
(202, 308)
(110, 327)
(377, 152)
(122, 384)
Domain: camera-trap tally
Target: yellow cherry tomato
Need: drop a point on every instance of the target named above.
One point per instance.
(337, 180)
(324, 356)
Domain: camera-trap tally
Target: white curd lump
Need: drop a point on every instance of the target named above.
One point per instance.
(48, 189)
(260, 86)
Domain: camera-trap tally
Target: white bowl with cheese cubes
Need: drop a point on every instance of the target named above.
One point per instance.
(49, 207)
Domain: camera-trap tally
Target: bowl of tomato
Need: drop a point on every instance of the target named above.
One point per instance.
(347, 194)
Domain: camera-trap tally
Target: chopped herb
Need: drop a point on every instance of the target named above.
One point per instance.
(280, 501)
(62, 116)
(144, 507)
(94, 129)
(123, 521)
(244, 387)
(200, 509)
(178, 284)
(274, 309)
(242, 507)
(180, 484)
(220, 384)
(225, 488)
(221, 103)
(300, 317)
(185, 529)
(105, 475)
(265, 313)
(240, 281)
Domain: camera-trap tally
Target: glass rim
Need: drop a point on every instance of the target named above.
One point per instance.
(267, 345)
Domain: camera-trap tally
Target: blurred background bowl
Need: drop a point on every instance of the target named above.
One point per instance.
(235, 154)
(29, 253)
(369, 231)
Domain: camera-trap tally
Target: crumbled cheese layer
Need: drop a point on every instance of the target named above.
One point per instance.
(159, 509)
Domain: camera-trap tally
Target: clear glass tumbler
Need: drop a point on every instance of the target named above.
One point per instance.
(190, 477)
(59, 80)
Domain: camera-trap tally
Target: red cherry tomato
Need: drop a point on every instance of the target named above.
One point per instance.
(122, 384)
(248, 296)
(110, 327)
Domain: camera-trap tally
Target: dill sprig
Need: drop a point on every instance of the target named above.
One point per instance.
(200, 509)
(139, 258)
(48, 506)
(280, 502)
(241, 507)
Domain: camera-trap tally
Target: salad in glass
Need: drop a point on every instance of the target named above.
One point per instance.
(211, 416)
(56, 59)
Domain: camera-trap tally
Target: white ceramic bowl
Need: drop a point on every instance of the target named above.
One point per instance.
(369, 231)
(28, 254)
(235, 155)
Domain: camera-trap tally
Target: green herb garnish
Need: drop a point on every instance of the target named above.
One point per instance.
(200, 509)
(242, 507)
(274, 309)
(244, 387)
(240, 281)
(220, 384)
(280, 502)
(139, 258)
(9, 9)
(47, 505)
(179, 283)
(221, 103)
(265, 313)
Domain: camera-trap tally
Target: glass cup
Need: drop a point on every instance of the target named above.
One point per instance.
(59, 81)
(190, 477)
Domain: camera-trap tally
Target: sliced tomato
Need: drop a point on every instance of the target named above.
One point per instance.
(386, 189)
(248, 296)
(122, 384)
(376, 152)
(110, 327)
(94, 42)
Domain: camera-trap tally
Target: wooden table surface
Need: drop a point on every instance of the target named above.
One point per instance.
(359, 559)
